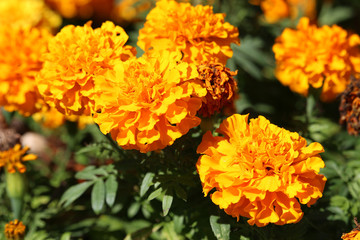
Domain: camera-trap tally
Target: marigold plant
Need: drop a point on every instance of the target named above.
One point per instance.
(220, 85)
(155, 102)
(13, 158)
(15, 230)
(21, 50)
(78, 63)
(83, 8)
(28, 13)
(196, 31)
(319, 57)
(275, 10)
(260, 171)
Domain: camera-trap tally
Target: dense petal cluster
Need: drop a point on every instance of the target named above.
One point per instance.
(155, 102)
(275, 10)
(28, 13)
(220, 85)
(21, 50)
(196, 31)
(76, 67)
(350, 107)
(260, 171)
(15, 230)
(13, 158)
(83, 8)
(319, 57)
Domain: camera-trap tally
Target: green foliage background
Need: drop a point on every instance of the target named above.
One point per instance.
(128, 195)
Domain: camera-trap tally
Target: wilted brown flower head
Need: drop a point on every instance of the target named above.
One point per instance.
(220, 85)
(350, 107)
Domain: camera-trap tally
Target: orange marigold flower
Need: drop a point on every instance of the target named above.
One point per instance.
(220, 85)
(155, 102)
(21, 50)
(28, 13)
(321, 57)
(260, 171)
(85, 9)
(354, 234)
(13, 158)
(350, 107)
(15, 230)
(196, 31)
(76, 67)
(275, 10)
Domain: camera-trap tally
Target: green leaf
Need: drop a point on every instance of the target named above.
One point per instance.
(111, 188)
(331, 15)
(155, 194)
(98, 196)
(146, 183)
(74, 193)
(66, 236)
(166, 203)
(220, 230)
(133, 209)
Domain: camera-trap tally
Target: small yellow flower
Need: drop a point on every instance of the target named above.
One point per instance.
(13, 158)
(197, 32)
(15, 230)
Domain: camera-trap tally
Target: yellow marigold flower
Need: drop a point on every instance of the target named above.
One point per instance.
(51, 118)
(76, 67)
(353, 235)
(260, 171)
(196, 31)
(85, 9)
(15, 230)
(155, 102)
(275, 10)
(12, 158)
(321, 57)
(28, 13)
(220, 85)
(21, 50)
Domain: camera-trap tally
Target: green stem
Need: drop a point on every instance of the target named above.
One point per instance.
(115, 145)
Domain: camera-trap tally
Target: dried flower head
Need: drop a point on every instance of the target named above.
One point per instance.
(15, 230)
(196, 31)
(85, 9)
(275, 10)
(78, 63)
(155, 102)
(28, 13)
(220, 85)
(321, 57)
(260, 171)
(21, 50)
(13, 158)
(350, 107)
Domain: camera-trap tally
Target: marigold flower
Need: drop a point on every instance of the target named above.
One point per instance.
(155, 102)
(28, 13)
(275, 10)
(15, 230)
(260, 171)
(21, 50)
(196, 31)
(129, 10)
(354, 234)
(13, 158)
(220, 85)
(85, 9)
(76, 67)
(350, 107)
(321, 57)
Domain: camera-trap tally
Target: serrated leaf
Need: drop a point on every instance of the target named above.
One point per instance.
(74, 193)
(220, 230)
(155, 194)
(166, 203)
(111, 188)
(98, 196)
(146, 183)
